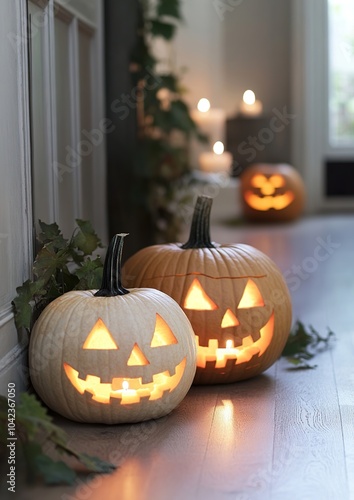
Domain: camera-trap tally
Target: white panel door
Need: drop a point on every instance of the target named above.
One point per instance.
(86, 122)
(66, 179)
(67, 113)
(15, 191)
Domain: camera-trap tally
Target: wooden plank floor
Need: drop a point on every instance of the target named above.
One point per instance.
(284, 435)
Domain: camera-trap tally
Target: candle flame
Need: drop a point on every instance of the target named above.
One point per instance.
(218, 148)
(229, 344)
(249, 97)
(203, 105)
(125, 385)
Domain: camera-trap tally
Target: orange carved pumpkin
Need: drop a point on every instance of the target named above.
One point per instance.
(272, 192)
(234, 296)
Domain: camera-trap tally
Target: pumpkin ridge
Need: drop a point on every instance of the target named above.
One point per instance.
(156, 263)
(246, 255)
(195, 273)
(172, 262)
(226, 262)
(151, 261)
(143, 307)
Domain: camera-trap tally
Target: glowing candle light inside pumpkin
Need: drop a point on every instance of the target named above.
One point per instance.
(129, 396)
(229, 344)
(250, 106)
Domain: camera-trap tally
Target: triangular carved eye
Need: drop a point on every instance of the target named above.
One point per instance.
(137, 357)
(100, 337)
(258, 180)
(277, 180)
(197, 299)
(229, 319)
(251, 296)
(163, 334)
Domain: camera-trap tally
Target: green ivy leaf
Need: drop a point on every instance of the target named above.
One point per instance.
(180, 118)
(31, 414)
(86, 239)
(37, 433)
(48, 262)
(165, 30)
(95, 464)
(170, 8)
(41, 466)
(69, 280)
(31, 450)
(51, 234)
(91, 463)
(23, 303)
(303, 344)
(89, 275)
(54, 270)
(169, 82)
(29, 405)
(54, 473)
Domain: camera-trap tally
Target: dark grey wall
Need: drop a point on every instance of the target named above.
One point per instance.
(125, 212)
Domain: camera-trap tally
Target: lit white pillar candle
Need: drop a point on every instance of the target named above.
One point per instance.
(211, 122)
(216, 161)
(250, 106)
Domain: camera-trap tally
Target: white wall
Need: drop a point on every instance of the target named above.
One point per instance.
(257, 52)
(15, 203)
(198, 47)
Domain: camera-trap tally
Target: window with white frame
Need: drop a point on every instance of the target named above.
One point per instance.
(341, 72)
(67, 112)
(323, 101)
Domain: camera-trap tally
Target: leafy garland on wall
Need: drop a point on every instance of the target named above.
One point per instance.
(164, 121)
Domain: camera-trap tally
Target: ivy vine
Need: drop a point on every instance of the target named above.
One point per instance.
(165, 123)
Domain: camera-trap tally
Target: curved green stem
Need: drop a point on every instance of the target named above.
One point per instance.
(111, 281)
(199, 236)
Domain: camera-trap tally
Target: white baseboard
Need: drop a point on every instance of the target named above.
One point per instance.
(13, 367)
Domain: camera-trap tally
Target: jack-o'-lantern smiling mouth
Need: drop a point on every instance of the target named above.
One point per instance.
(264, 203)
(268, 196)
(241, 353)
(127, 390)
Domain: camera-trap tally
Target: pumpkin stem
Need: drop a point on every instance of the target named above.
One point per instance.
(111, 281)
(199, 236)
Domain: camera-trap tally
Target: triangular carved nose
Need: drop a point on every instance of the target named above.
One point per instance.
(229, 319)
(137, 357)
